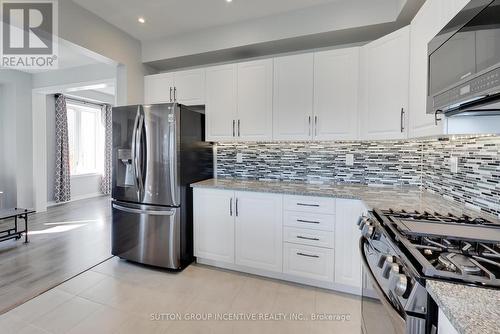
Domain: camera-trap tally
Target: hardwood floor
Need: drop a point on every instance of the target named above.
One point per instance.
(64, 241)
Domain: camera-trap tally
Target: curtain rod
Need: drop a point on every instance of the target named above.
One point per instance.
(82, 101)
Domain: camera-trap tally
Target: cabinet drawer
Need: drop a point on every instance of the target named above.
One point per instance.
(309, 220)
(307, 261)
(310, 204)
(308, 237)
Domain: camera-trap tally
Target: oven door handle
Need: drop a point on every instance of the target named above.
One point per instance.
(397, 320)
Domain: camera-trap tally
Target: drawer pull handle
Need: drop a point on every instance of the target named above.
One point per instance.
(305, 204)
(307, 238)
(307, 255)
(307, 221)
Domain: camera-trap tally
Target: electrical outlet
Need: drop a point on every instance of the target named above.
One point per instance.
(239, 157)
(349, 159)
(454, 164)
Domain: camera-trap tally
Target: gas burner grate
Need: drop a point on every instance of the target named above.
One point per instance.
(459, 248)
(437, 217)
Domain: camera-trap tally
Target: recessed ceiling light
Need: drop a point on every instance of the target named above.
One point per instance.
(141, 20)
(229, 0)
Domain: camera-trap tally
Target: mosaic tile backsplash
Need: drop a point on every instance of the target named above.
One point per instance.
(423, 163)
(477, 181)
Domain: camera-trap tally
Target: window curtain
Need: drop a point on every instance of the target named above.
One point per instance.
(108, 147)
(62, 184)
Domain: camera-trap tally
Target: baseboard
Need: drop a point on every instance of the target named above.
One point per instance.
(76, 198)
(281, 276)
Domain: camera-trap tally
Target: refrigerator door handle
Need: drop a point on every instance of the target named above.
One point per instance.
(148, 212)
(138, 158)
(134, 150)
(173, 162)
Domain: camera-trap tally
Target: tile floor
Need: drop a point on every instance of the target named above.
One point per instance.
(120, 297)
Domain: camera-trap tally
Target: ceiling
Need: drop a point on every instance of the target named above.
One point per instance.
(166, 18)
(186, 33)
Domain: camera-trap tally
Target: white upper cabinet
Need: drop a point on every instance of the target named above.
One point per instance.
(258, 235)
(431, 18)
(221, 102)
(384, 86)
(239, 101)
(158, 88)
(293, 97)
(255, 100)
(336, 80)
(185, 87)
(189, 87)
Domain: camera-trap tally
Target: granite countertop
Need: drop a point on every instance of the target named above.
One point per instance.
(471, 310)
(408, 198)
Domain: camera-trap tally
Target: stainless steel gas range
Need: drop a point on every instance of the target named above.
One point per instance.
(400, 250)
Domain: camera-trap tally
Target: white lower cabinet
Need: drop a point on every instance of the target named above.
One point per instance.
(258, 230)
(308, 237)
(348, 271)
(239, 227)
(213, 216)
(308, 262)
(310, 240)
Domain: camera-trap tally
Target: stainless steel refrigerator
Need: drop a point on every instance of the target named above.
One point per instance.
(158, 151)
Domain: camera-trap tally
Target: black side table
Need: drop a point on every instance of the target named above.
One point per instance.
(15, 233)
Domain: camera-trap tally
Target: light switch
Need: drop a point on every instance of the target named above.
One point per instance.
(349, 159)
(454, 164)
(239, 157)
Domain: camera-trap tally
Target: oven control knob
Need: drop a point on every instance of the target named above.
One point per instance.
(401, 285)
(398, 282)
(362, 222)
(368, 230)
(390, 261)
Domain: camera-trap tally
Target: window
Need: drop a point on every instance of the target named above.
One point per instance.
(84, 133)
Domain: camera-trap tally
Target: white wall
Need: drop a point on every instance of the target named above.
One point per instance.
(81, 27)
(51, 144)
(319, 19)
(92, 95)
(70, 76)
(16, 138)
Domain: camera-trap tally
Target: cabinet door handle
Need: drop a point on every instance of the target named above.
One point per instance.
(305, 204)
(231, 206)
(436, 119)
(402, 119)
(307, 255)
(315, 126)
(309, 126)
(307, 238)
(175, 94)
(239, 132)
(307, 221)
(234, 127)
(170, 94)
(236, 206)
